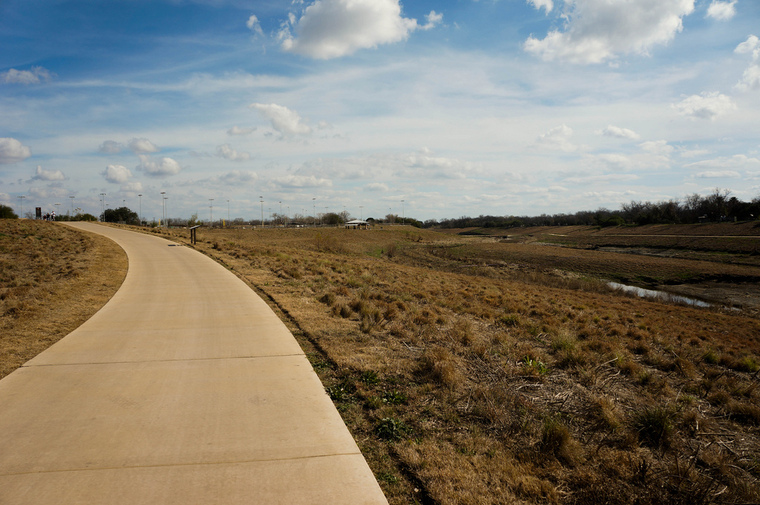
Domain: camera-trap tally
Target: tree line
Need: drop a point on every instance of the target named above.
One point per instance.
(718, 206)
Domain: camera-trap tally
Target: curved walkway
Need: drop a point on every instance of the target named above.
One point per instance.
(185, 388)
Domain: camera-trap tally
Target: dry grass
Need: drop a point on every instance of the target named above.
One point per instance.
(488, 384)
(468, 382)
(52, 279)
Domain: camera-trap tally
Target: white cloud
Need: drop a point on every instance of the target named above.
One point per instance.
(599, 30)
(44, 193)
(334, 28)
(558, 138)
(546, 4)
(238, 177)
(705, 106)
(111, 147)
(48, 175)
(161, 168)
(657, 147)
(117, 174)
(12, 151)
(750, 79)
(722, 11)
(751, 45)
(617, 132)
(132, 187)
(33, 76)
(433, 20)
(227, 152)
(736, 162)
(237, 130)
(376, 187)
(287, 122)
(302, 181)
(254, 25)
(718, 174)
(142, 146)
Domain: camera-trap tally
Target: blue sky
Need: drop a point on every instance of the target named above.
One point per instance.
(459, 107)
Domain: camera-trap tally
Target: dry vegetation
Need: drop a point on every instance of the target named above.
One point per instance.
(52, 279)
(472, 371)
(467, 376)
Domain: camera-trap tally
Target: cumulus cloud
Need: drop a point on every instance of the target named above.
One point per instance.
(158, 168)
(13, 151)
(334, 28)
(599, 30)
(227, 152)
(751, 45)
(237, 130)
(558, 138)
(48, 175)
(708, 105)
(285, 121)
(620, 133)
(142, 146)
(722, 11)
(117, 174)
(254, 25)
(111, 147)
(751, 78)
(546, 4)
(34, 76)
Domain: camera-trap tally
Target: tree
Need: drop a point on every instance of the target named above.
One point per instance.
(120, 215)
(7, 213)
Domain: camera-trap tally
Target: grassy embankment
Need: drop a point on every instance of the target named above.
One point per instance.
(469, 376)
(52, 279)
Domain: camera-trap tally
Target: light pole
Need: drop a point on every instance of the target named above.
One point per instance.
(403, 212)
(261, 200)
(163, 209)
(21, 203)
(103, 205)
(228, 211)
(139, 197)
(314, 209)
(211, 212)
(280, 209)
(72, 206)
(57, 210)
(361, 212)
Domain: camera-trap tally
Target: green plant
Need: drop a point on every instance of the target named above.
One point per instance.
(391, 429)
(535, 365)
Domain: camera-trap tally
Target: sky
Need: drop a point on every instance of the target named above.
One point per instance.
(428, 109)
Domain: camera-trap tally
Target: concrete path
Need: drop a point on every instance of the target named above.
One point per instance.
(184, 389)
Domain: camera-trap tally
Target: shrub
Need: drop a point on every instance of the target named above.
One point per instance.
(654, 426)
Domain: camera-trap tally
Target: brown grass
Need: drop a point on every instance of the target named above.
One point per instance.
(467, 380)
(500, 384)
(52, 279)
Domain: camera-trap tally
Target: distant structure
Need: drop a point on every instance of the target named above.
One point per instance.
(357, 224)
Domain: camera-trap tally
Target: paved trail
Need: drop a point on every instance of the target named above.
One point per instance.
(184, 389)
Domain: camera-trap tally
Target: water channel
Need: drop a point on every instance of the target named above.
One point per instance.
(658, 295)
